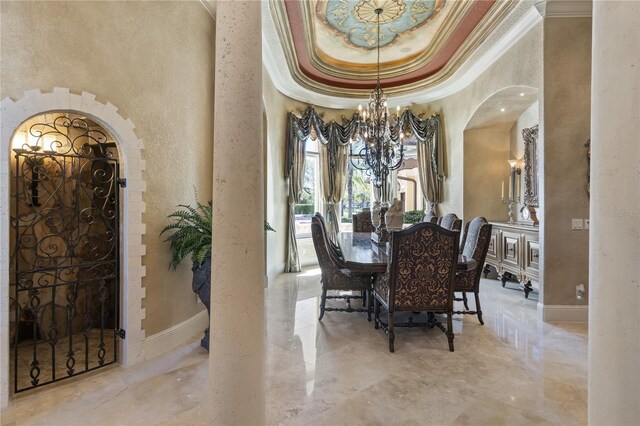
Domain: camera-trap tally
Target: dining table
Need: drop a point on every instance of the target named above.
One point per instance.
(361, 254)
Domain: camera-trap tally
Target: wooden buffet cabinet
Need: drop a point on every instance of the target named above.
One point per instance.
(514, 250)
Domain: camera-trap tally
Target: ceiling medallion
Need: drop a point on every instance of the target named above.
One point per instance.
(365, 11)
(357, 19)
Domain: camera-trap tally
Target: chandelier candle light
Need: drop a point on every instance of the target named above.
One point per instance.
(380, 154)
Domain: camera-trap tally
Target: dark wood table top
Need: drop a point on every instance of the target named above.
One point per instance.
(361, 254)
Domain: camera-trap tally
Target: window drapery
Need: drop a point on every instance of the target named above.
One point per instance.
(428, 134)
(334, 141)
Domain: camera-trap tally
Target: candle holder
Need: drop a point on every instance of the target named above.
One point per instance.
(381, 235)
(514, 189)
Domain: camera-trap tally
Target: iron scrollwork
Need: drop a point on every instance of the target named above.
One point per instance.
(65, 258)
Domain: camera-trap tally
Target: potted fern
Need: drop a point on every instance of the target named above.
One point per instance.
(191, 236)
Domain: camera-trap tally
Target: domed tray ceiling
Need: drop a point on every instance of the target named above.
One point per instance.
(331, 44)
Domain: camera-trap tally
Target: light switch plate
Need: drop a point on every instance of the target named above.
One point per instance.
(586, 224)
(577, 224)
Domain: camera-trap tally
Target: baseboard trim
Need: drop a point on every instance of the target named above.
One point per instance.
(175, 336)
(563, 313)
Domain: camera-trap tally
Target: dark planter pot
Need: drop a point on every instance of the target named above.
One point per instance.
(201, 285)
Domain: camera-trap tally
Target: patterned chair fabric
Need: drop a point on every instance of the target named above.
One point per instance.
(420, 276)
(333, 276)
(451, 222)
(475, 244)
(362, 222)
(334, 250)
(430, 217)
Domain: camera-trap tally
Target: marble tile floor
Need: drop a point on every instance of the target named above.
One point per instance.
(513, 370)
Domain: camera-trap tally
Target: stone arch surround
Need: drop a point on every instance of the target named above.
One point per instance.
(132, 229)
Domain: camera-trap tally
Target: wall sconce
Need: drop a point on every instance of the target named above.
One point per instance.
(27, 145)
(514, 189)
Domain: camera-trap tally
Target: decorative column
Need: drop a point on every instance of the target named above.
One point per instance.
(614, 247)
(236, 358)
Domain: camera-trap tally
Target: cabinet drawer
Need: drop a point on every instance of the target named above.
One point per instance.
(532, 257)
(510, 249)
(492, 252)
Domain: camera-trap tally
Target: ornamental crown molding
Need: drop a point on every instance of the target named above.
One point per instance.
(564, 8)
(520, 21)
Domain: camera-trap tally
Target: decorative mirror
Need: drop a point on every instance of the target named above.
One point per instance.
(530, 136)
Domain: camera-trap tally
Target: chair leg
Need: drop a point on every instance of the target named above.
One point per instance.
(392, 336)
(322, 302)
(368, 305)
(376, 313)
(478, 308)
(464, 300)
(450, 331)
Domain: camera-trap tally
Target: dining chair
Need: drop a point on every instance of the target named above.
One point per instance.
(334, 249)
(419, 278)
(451, 222)
(362, 222)
(475, 244)
(336, 278)
(430, 217)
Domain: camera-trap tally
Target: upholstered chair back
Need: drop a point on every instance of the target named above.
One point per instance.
(451, 222)
(362, 222)
(333, 277)
(422, 269)
(327, 265)
(477, 235)
(430, 217)
(334, 250)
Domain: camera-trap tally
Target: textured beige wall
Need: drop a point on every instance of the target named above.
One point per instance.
(486, 151)
(154, 61)
(529, 118)
(566, 120)
(520, 65)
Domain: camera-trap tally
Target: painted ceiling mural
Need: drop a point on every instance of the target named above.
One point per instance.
(330, 45)
(357, 20)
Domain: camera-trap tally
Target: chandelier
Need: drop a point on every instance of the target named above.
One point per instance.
(380, 153)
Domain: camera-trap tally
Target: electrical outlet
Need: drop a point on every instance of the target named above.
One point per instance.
(586, 224)
(580, 292)
(577, 224)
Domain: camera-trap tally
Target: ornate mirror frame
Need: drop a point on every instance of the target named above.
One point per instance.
(530, 136)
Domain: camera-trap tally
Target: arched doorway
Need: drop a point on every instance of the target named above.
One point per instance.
(132, 206)
(495, 185)
(64, 269)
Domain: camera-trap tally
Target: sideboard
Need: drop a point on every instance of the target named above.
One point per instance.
(514, 250)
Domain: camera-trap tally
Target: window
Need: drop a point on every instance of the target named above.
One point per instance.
(310, 202)
(357, 196)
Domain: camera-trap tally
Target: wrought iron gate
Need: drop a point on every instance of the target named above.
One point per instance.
(65, 252)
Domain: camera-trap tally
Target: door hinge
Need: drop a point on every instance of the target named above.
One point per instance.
(122, 183)
(120, 333)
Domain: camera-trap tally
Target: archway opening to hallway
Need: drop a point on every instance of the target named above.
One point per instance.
(64, 277)
(493, 188)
